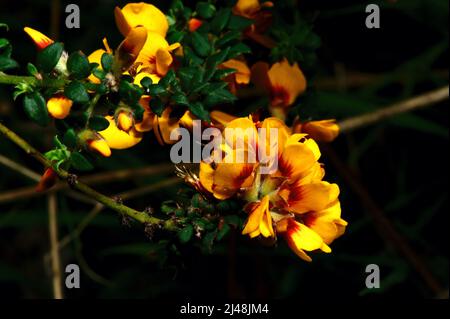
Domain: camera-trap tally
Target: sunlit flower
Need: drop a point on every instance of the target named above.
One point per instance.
(194, 24)
(323, 130)
(40, 40)
(59, 106)
(292, 200)
(141, 14)
(282, 81)
(238, 78)
(118, 139)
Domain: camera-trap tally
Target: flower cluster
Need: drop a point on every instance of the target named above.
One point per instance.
(170, 70)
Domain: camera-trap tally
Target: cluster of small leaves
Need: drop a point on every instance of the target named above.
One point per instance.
(203, 220)
(295, 41)
(198, 83)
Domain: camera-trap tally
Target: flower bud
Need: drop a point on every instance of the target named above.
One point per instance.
(59, 106)
(125, 121)
(47, 181)
(194, 24)
(99, 146)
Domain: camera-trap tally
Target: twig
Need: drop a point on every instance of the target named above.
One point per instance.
(83, 188)
(384, 227)
(124, 196)
(19, 168)
(94, 179)
(414, 103)
(55, 257)
(31, 80)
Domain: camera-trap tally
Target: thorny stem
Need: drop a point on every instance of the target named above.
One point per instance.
(83, 188)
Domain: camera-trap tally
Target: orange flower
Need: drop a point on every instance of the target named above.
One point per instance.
(283, 82)
(240, 77)
(253, 9)
(292, 200)
(194, 24)
(40, 39)
(59, 106)
(141, 14)
(323, 130)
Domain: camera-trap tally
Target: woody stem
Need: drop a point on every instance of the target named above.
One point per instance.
(83, 188)
(31, 80)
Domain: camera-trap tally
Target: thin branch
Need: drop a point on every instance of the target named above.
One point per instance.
(83, 188)
(31, 80)
(19, 168)
(55, 257)
(414, 103)
(384, 227)
(94, 179)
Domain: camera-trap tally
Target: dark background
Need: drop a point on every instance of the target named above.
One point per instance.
(400, 165)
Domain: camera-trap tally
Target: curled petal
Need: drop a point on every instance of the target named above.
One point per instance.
(141, 14)
(118, 139)
(40, 39)
(323, 131)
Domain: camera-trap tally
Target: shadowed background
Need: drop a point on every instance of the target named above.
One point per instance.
(397, 168)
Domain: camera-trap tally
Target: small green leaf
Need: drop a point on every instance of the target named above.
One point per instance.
(201, 44)
(220, 20)
(156, 90)
(205, 10)
(186, 233)
(180, 99)
(223, 231)
(98, 123)
(49, 57)
(36, 108)
(208, 240)
(70, 138)
(79, 162)
(107, 62)
(220, 96)
(32, 70)
(220, 74)
(78, 65)
(239, 49)
(157, 106)
(7, 63)
(3, 43)
(227, 38)
(146, 82)
(168, 79)
(238, 22)
(198, 110)
(76, 92)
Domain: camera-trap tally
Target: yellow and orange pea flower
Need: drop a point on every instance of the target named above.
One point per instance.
(322, 130)
(240, 77)
(255, 10)
(152, 57)
(58, 106)
(282, 81)
(292, 201)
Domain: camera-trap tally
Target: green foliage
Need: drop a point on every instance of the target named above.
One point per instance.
(48, 58)
(78, 65)
(36, 108)
(76, 91)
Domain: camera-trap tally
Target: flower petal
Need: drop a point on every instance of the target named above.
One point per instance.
(141, 14)
(40, 39)
(59, 106)
(118, 139)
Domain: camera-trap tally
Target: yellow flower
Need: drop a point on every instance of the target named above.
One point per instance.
(59, 106)
(141, 14)
(260, 220)
(99, 146)
(250, 8)
(253, 9)
(118, 139)
(322, 131)
(282, 81)
(292, 200)
(240, 77)
(156, 54)
(41, 40)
